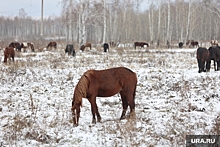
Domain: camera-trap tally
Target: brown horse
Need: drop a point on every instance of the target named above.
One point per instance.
(202, 56)
(192, 43)
(9, 53)
(105, 83)
(15, 45)
(82, 48)
(141, 44)
(52, 44)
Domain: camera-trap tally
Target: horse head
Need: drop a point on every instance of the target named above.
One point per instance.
(75, 113)
(82, 48)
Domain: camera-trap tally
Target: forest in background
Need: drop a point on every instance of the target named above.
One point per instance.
(121, 21)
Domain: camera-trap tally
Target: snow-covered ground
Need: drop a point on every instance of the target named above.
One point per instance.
(172, 100)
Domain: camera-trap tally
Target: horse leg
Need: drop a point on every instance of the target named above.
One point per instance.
(131, 105)
(199, 66)
(98, 115)
(208, 63)
(215, 65)
(124, 104)
(203, 66)
(94, 109)
(130, 94)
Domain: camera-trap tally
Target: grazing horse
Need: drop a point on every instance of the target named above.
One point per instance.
(52, 44)
(141, 44)
(105, 83)
(70, 49)
(15, 45)
(82, 48)
(214, 55)
(202, 56)
(192, 43)
(106, 47)
(9, 53)
(180, 44)
(214, 42)
(26, 45)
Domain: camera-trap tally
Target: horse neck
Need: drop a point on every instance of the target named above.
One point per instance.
(80, 90)
(77, 98)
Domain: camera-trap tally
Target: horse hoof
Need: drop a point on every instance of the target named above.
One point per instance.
(94, 121)
(99, 120)
(132, 115)
(123, 117)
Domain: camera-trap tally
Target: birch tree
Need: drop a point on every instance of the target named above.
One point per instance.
(104, 22)
(188, 35)
(168, 36)
(159, 23)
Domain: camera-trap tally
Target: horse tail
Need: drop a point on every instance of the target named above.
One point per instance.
(135, 86)
(134, 93)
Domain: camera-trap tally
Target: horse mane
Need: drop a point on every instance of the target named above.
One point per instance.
(81, 88)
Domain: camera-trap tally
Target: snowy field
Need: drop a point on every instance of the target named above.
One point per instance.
(172, 100)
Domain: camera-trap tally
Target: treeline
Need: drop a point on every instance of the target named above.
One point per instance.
(27, 28)
(101, 21)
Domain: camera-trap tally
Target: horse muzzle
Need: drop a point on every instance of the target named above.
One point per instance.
(75, 117)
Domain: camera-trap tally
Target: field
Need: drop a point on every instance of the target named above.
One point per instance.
(172, 99)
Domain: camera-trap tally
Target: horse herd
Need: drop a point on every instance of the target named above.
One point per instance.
(9, 52)
(204, 55)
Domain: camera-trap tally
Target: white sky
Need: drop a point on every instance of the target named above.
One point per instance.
(33, 7)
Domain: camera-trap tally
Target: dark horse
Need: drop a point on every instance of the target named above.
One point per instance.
(70, 49)
(202, 56)
(52, 44)
(214, 55)
(105, 83)
(9, 53)
(106, 47)
(15, 45)
(82, 48)
(180, 44)
(141, 44)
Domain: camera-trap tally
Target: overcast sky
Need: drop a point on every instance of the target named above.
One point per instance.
(32, 7)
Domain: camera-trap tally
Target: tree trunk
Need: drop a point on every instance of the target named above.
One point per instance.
(104, 23)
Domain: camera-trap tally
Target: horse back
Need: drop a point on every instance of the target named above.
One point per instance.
(202, 54)
(214, 52)
(111, 81)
